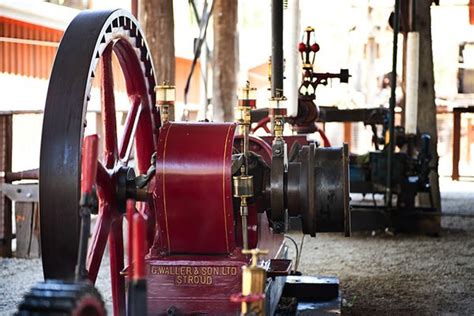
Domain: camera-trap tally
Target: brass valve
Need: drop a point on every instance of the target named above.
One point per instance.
(247, 102)
(253, 283)
(256, 253)
(278, 113)
(165, 98)
(243, 184)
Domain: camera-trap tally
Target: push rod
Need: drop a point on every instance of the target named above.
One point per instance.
(391, 117)
(277, 48)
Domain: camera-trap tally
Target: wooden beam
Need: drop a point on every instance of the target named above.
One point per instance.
(5, 203)
(456, 144)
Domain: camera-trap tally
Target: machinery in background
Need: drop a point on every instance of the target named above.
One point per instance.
(201, 199)
(369, 172)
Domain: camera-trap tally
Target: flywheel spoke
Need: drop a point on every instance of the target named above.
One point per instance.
(98, 241)
(105, 185)
(108, 109)
(116, 266)
(130, 128)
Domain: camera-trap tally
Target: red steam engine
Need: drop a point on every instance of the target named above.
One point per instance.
(197, 197)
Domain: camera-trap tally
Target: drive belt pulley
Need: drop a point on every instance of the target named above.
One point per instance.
(91, 45)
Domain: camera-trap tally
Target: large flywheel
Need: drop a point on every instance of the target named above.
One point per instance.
(87, 49)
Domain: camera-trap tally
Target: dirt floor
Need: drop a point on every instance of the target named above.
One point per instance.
(379, 273)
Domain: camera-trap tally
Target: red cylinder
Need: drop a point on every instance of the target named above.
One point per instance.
(89, 163)
(130, 213)
(139, 247)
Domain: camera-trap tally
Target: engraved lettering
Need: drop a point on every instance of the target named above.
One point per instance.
(194, 275)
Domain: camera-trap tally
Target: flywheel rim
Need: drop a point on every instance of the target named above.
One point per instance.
(88, 35)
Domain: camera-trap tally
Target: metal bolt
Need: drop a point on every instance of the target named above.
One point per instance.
(278, 226)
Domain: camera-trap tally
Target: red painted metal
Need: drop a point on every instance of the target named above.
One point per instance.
(108, 109)
(325, 139)
(130, 213)
(98, 241)
(193, 189)
(194, 285)
(89, 163)
(192, 193)
(116, 266)
(139, 248)
(147, 128)
(256, 145)
(240, 298)
(130, 128)
(262, 124)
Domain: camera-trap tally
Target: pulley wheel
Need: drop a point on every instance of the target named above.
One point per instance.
(86, 53)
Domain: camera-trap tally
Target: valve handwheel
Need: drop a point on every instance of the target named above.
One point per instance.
(90, 42)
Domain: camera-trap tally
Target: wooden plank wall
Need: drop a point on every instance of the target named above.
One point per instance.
(29, 50)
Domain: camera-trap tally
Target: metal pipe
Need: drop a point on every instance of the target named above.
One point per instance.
(246, 133)
(391, 117)
(244, 212)
(292, 71)
(411, 94)
(32, 174)
(277, 48)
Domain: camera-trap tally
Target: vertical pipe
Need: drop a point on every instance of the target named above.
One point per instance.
(204, 81)
(290, 40)
(245, 232)
(412, 63)
(138, 285)
(393, 86)
(277, 48)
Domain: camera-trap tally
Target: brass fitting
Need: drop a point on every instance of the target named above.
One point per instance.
(243, 186)
(165, 98)
(278, 112)
(247, 102)
(253, 283)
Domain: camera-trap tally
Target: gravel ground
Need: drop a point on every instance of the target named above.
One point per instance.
(379, 273)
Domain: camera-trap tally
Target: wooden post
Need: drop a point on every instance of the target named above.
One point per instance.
(25, 197)
(157, 21)
(426, 95)
(348, 133)
(5, 203)
(456, 143)
(470, 138)
(27, 230)
(225, 60)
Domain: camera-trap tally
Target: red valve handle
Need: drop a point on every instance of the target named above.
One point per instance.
(251, 298)
(89, 163)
